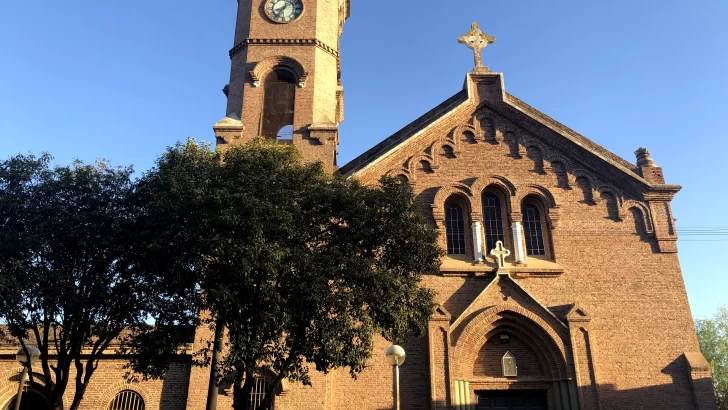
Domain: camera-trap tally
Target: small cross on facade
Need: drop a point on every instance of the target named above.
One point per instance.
(500, 253)
(477, 40)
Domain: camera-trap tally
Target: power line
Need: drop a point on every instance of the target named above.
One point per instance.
(702, 240)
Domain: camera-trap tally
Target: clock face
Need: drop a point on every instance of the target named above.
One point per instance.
(283, 11)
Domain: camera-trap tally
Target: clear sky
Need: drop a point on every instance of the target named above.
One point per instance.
(123, 80)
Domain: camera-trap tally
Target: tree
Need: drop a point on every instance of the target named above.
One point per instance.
(64, 234)
(302, 268)
(713, 337)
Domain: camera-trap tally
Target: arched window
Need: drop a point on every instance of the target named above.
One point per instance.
(127, 400)
(279, 102)
(285, 133)
(532, 230)
(493, 221)
(257, 395)
(455, 229)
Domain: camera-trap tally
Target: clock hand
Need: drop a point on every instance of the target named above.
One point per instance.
(279, 9)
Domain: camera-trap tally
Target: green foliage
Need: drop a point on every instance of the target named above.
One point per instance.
(63, 232)
(713, 337)
(302, 268)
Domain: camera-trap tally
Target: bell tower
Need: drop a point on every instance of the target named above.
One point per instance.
(285, 80)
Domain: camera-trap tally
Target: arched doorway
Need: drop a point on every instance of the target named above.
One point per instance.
(31, 400)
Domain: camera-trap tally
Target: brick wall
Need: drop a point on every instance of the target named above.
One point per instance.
(106, 383)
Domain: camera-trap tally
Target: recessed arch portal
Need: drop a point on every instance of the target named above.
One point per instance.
(543, 343)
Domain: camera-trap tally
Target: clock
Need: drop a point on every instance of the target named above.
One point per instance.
(283, 11)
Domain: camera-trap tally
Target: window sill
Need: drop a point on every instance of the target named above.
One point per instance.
(533, 267)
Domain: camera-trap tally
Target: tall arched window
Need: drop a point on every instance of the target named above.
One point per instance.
(533, 230)
(127, 400)
(279, 102)
(455, 229)
(493, 221)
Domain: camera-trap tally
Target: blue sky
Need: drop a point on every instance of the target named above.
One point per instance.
(123, 80)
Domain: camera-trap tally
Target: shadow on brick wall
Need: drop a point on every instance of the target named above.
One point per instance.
(684, 393)
(653, 397)
(175, 386)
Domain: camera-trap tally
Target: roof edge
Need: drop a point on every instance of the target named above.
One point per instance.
(378, 151)
(564, 130)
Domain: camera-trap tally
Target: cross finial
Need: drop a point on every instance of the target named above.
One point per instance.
(477, 40)
(500, 253)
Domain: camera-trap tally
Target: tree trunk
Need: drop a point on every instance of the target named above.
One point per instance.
(59, 389)
(77, 397)
(241, 393)
(216, 353)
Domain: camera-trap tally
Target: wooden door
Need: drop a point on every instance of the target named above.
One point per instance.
(512, 400)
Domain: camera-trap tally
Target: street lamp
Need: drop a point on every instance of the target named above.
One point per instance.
(395, 356)
(27, 363)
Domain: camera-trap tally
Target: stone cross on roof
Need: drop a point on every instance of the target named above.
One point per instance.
(477, 40)
(500, 253)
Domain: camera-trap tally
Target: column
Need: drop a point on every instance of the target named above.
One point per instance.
(468, 403)
(519, 251)
(477, 242)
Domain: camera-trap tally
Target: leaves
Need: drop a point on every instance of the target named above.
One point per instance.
(302, 268)
(65, 234)
(713, 337)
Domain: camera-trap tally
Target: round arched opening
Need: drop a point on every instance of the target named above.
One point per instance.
(127, 400)
(285, 133)
(31, 400)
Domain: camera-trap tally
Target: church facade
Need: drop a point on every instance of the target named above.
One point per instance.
(561, 288)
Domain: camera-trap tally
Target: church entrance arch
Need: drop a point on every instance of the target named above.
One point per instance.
(512, 355)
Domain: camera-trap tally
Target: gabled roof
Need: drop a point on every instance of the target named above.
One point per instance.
(510, 107)
(566, 131)
(404, 134)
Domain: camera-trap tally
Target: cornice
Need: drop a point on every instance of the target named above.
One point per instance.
(661, 192)
(283, 41)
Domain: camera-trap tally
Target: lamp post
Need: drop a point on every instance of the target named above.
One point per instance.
(395, 356)
(27, 363)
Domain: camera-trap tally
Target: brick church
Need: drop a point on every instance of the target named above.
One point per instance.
(583, 307)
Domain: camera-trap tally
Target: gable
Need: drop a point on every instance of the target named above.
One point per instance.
(491, 115)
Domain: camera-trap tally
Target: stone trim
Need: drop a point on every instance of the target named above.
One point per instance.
(264, 67)
(444, 193)
(285, 42)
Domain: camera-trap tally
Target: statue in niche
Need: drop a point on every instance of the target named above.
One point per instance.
(509, 365)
